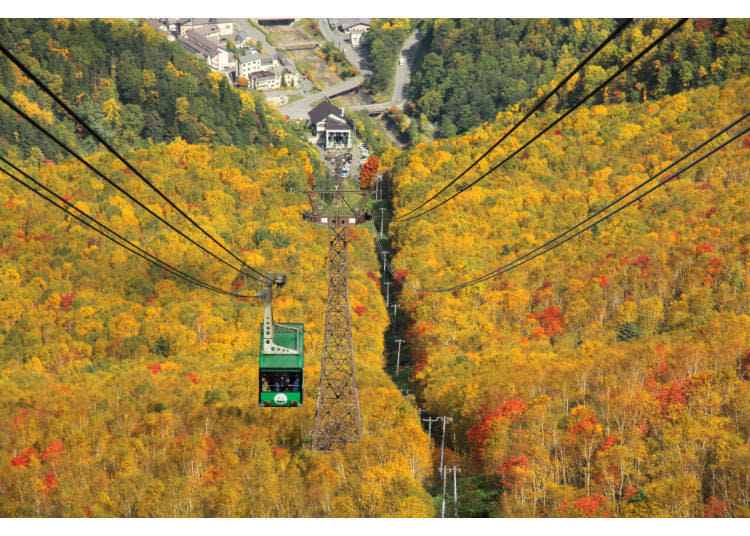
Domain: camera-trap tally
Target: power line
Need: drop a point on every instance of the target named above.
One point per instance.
(555, 122)
(516, 264)
(122, 159)
(120, 241)
(62, 144)
(637, 187)
(538, 105)
(528, 256)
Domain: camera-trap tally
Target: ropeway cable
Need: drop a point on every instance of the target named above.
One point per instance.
(538, 105)
(658, 40)
(528, 256)
(119, 240)
(62, 144)
(122, 159)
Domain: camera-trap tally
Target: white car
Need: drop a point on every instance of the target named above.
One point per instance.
(401, 60)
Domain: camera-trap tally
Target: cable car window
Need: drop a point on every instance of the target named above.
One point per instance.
(278, 382)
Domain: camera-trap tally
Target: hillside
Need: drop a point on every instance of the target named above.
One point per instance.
(610, 377)
(127, 81)
(125, 393)
(473, 67)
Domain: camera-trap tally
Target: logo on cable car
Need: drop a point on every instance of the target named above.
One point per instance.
(280, 398)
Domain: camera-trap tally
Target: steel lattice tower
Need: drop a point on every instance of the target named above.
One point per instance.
(337, 415)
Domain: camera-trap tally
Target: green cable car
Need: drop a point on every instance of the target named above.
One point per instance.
(281, 375)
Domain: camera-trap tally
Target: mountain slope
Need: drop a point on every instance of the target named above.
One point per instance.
(126, 393)
(474, 67)
(127, 81)
(609, 377)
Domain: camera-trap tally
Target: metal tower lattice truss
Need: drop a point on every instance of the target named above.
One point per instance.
(337, 416)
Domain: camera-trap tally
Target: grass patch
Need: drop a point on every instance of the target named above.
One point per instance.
(311, 28)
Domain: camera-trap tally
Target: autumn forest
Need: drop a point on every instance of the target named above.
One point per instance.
(609, 377)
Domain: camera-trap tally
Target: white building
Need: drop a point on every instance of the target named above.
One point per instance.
(248, 64)
(218, 58)
(279, 66)
(354, 28)
(327, 121)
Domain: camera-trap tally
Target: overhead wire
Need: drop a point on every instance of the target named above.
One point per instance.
(627, 65)
(86, 163)
(119, 240)
(122, 159)
(549, 245)
(538, 105)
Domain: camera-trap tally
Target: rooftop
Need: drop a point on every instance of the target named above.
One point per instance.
(336, 123)
(200, 43)
(348, 23)
(323, 110)
(250, 56)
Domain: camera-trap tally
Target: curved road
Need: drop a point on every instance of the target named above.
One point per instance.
(350, 53)
(402, 78)
(300, 108)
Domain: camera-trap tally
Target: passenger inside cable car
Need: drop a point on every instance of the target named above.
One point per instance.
(279, 382)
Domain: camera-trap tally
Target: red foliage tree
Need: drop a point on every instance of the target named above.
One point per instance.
(65, 301)
(50, 480)
(704, 248)
(24, 459)
(591, 506)
(550, 320)
(642, 261)
(715, 507)
(671, 398)
(509, 470)
(53, 450)
(478, 433)
(400, 276)
(368, 171)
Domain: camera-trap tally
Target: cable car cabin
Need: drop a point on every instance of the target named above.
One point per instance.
(281, 374)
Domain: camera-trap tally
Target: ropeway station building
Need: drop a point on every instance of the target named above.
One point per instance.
(328, 123)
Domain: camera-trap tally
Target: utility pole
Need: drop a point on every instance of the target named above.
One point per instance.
(382, 218)
(444, 473)
(395, 309)
(337, 416)
(387, 294)
(430, 420)
(455, 491)
(385, 256)
(405, 392)
(398, 356)
(442, 442)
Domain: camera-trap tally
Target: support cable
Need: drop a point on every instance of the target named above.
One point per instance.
(658, 40)
(528, 256)
(120, 241)
(62, 144)
(538, 105)
(122, 159)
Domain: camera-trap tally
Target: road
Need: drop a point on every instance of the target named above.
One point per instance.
(402, 79)
(350, 53)
(299, 109)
